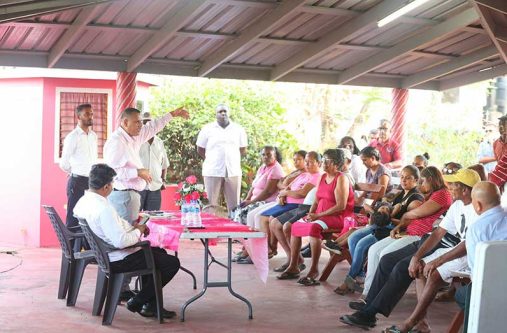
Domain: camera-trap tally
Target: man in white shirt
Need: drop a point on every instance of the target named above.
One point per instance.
(221, 144)
(105, 222)
(154, 158)
(433, 270)
(121, 152)
(78, 155)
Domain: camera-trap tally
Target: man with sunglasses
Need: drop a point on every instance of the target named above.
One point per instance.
(389, 150)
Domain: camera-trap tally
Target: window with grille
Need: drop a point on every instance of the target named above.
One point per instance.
(67, 101)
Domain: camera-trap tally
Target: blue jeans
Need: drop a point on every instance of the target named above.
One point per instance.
(359, 243)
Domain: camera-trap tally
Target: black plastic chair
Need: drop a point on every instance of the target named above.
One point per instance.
(73, 263)
(109, 283)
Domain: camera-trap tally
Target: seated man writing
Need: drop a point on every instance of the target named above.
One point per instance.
(105, 222)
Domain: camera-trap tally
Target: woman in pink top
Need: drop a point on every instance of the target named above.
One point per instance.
(264, 186)
(334, 201)
(292, 196)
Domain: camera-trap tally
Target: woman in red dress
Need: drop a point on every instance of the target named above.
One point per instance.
(334, 201)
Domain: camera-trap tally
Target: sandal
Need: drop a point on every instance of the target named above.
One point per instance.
(288, 276)
(308, 281)
(281, 268)
(343, 290)
(392, 329)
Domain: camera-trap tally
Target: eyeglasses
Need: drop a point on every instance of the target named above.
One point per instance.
(449, 171)
(489, 131)
(383, 128)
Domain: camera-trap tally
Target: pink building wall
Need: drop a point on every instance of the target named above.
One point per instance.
(31, 176)
(20, 149)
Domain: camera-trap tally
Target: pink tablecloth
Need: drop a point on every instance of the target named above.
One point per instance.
(165, 232)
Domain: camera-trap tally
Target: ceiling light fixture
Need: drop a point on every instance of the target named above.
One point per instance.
(400, 12)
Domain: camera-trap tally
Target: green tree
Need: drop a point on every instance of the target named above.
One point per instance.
(254, 106)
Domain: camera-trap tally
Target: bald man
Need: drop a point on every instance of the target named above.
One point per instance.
(490, 226)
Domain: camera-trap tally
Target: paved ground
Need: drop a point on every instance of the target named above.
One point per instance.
(28, 300)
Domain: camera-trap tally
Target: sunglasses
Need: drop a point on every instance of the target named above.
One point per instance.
(449, 171)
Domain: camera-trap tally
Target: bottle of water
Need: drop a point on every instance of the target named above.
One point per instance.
(184, 214)
(192, 214)
(198, 220)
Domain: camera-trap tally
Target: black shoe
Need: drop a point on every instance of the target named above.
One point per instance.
(306, 253)
(134, 305)
(150, 310)
(126, 295)
(357, 305)
(359, 319)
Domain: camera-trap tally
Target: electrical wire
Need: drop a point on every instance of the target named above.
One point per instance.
(12, 253)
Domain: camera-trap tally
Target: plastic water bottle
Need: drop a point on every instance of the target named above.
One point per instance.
(198, 220)
(184, 214)
(192, 214)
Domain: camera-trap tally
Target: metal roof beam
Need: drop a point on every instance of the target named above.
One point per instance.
(250, 34)
(178, 18)
(63, 43)
(448, 67)
(470, 78)
(428, 35)
(331, 39)
(11, 12)
(489, 23)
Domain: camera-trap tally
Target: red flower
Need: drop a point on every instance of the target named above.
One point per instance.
(188, 198)
(191, 179)
(180, 185)
(205, 195)
(195, 195)
(177, 196)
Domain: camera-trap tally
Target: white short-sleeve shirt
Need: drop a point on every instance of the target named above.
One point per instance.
(458, 218)
(223, 158)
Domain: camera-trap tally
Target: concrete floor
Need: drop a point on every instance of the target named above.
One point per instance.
(28, 300)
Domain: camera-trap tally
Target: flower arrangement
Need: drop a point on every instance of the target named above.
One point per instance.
(189, 190)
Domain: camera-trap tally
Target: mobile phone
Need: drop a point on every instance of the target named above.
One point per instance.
(144, 219)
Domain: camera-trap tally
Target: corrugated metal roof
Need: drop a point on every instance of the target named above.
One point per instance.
(333, 40)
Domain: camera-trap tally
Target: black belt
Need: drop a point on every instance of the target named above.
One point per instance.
(73, 175)
(125, 190)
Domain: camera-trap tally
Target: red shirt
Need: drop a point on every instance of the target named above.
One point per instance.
(499, 174)
(419, 227)
(389, 150)
(499, 147)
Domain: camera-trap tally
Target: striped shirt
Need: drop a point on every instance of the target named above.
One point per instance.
(499, 174)
(423, 225)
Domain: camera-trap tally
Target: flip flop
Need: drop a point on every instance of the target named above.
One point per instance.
(281, 268)
(288, 276)
(395, 329)
(308, 281)
(342, 292)
(245, 261)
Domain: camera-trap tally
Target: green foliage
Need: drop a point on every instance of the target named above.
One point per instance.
(444, 145)
(253, 106)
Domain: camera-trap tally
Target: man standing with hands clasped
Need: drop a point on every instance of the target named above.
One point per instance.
(221, 144)
(121, 152)
(78, 155)
(154, 158)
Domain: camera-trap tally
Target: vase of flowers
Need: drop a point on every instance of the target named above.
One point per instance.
(188, 190)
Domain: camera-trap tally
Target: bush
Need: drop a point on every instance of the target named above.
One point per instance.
(252, 105)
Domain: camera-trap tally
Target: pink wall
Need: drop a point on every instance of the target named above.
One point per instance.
(21, 161)
(54, 180)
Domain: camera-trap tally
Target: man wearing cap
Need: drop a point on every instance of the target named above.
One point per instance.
(389, 150)
(221, 144)
(154, 158)
(429, 260)
(78, 155)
